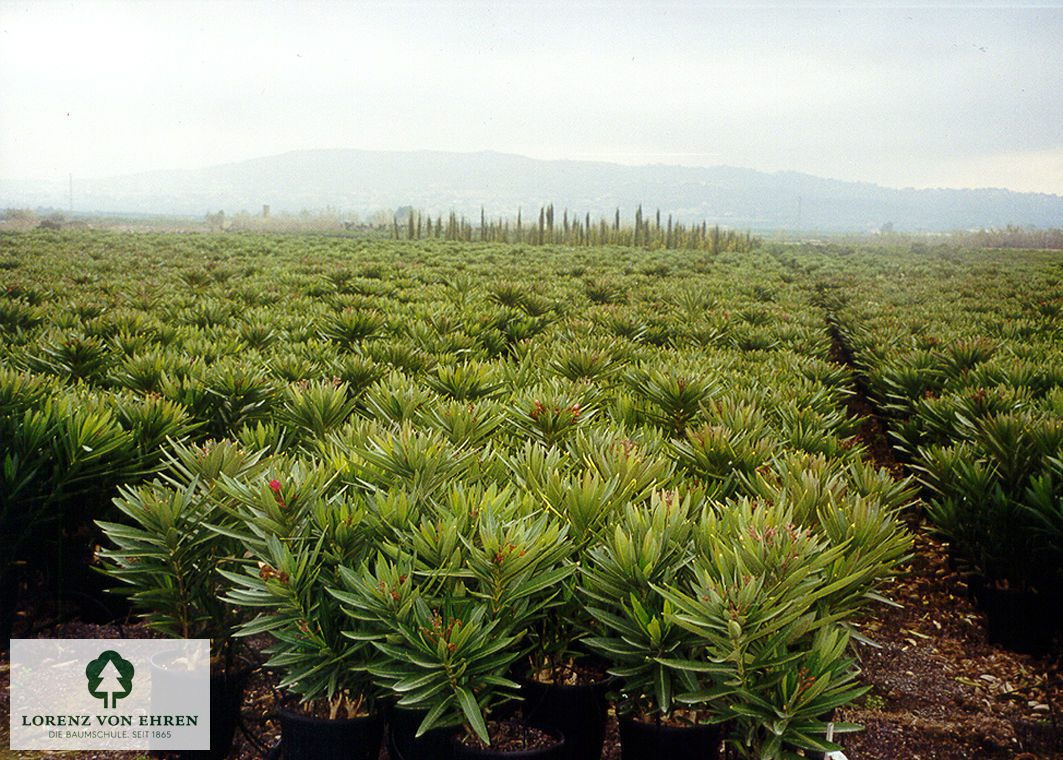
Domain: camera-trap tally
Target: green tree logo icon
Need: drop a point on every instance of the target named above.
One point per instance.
(110, 675)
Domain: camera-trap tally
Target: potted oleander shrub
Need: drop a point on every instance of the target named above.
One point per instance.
(675, 401)
(171, 565)
(757, 602)
(28, 425)
(446, 659)
(563, 687)
(851, 505)
(569, 681)
(296, 532)
(992, 498)
(1044, 503)
(633, 632)
(520, 564)
(455, 600)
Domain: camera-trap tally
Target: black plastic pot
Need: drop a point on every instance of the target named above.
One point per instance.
(307, 738)
(1022, 621)
(9, 599)
(552, 752)
(578, 712)
(226, 698)
(404, 744)
(652, 741)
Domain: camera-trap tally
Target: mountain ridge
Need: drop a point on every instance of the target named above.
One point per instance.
(361, 182)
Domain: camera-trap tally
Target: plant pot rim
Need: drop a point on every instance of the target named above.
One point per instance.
(312, 719)
(606, 680)
(631, 719)
(456, 740)
(157, 661)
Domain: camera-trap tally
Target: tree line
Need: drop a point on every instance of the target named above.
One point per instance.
(571, 229)
(1012, 236)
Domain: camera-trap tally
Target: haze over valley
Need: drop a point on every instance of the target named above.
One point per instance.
(360, 184)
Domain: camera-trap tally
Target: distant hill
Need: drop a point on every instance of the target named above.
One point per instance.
(362, 182)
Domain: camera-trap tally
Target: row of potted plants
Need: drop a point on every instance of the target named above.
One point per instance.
(968, 368)
(443, 602)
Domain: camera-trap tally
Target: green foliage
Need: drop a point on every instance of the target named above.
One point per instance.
(422, 463)
(257, 335)
(15, 315)
(296, 532)
(395, 399)
(968, 364)
(167, 555)
(468, 425)
(358, 372)
(633, 628)
(467, 381)
(449, 659)
(152, 420)
(722, 459)
(352, 326)
(593, 364)
(73, 357)
(603, 293)
(62, 461)
(313, 409)
(494, 432)
(223, 398)
(469, 579)
(675, 400)
(144, 372)
(290, 580)
(550, 422)
(1043, 506)
(770, 653)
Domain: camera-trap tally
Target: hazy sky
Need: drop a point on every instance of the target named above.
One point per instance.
(901, 94)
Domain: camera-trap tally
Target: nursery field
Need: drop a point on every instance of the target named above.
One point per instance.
(431, 472)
